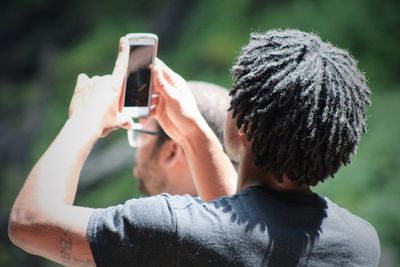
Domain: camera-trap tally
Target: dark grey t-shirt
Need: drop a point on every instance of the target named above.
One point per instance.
(255, 227)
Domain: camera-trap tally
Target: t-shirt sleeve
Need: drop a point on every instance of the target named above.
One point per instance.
(141, 232)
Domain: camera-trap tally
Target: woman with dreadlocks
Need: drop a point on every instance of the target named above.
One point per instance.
(297, 112)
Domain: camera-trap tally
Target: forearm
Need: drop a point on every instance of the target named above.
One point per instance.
(42, 215)
(52, 183)
(54, 179)
(213, 172)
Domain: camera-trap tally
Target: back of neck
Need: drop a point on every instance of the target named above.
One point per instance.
(249, 175)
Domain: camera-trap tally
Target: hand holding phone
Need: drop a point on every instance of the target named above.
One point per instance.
(137, 91)
(94, 104)
(176, 110)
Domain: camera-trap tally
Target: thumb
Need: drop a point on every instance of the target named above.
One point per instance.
(121, 65)
(162, 85)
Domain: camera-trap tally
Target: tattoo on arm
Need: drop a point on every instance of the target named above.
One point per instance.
(65, 245)
(67, 257)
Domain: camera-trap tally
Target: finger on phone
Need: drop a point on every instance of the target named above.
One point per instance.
(153, 110)
(162, 86)
(154, 101)
(169, 74)
(121, 65)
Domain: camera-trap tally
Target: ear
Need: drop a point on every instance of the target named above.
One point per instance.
(242, 135)
(241, 132)
(171, 153)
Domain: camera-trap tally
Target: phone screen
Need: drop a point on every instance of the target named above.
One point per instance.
(139, 74)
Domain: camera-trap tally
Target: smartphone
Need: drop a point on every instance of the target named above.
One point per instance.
(137, 93)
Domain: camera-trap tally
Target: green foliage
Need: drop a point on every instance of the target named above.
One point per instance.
(114, 191)
(369, 186)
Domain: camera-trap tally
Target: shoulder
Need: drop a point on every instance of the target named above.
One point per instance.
(348, 219)
(220, 212)
(138, 231)
(359, 233)
(142, 213)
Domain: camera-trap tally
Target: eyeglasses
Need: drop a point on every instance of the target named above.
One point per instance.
(135, 135)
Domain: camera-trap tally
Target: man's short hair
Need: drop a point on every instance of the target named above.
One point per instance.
(301, 101)
(213, 102)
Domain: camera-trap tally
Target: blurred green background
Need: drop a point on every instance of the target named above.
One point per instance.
(46, 44)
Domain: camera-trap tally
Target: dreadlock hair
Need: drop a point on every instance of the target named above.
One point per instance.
(301, 101)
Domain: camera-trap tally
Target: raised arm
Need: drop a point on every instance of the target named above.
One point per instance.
(177, 113)
(43, 220)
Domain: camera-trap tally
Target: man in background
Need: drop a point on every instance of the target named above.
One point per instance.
(160, 162)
